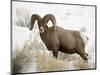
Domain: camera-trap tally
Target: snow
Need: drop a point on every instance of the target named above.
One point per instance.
(20, 35)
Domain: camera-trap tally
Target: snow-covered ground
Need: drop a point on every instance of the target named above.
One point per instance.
(21, 35)
(68, 16)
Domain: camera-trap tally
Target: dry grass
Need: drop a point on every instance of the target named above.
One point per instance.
(24, 56)
(44, 60)
(21, 60)
(47, 63)
(81, 64)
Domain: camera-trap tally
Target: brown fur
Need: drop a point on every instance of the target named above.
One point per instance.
(59, 39)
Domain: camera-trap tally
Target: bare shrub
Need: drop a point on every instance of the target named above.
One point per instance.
(83, 29)
(22, 59)
(24, 56)
(23, 17)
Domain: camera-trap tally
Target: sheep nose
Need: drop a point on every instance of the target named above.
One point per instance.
(87, 38)
(41, 29)
(30, 28)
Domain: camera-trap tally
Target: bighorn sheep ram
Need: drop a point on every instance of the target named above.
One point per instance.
(59, 39)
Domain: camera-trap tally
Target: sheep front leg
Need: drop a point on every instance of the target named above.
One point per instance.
(55, 53)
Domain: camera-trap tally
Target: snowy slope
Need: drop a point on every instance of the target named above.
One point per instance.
(20, 35)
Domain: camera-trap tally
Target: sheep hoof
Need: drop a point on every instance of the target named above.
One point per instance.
(86, 53)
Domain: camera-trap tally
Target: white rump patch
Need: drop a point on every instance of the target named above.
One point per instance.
(84, 37)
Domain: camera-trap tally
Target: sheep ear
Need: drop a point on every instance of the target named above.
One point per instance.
(50, 17)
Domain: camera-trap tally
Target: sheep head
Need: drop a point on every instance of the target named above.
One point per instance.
(42, 22)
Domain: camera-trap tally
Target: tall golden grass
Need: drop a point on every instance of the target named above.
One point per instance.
(45, 61)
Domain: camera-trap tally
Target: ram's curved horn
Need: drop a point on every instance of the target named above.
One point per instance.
(34, 17)
(51, 17)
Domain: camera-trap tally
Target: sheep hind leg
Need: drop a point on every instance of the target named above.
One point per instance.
(86, 53)
(84, 56)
